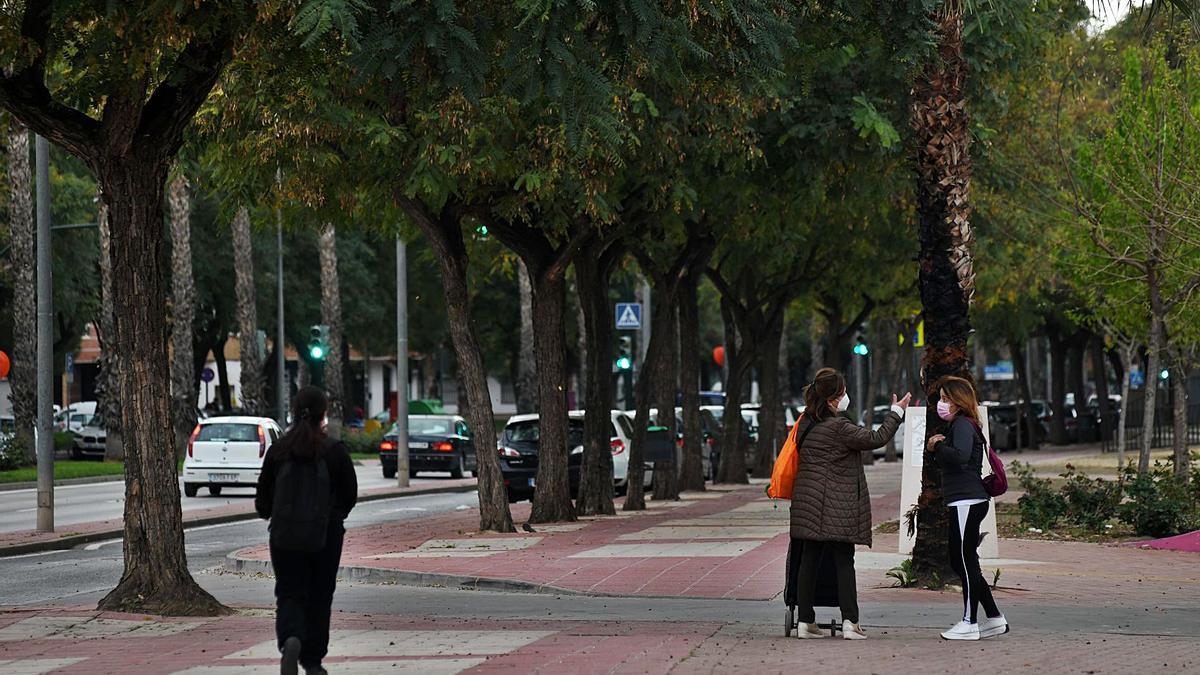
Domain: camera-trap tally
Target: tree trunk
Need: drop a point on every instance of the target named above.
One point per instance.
(156, 579)
(888, 352)
(1128, 352)
(947, 279)
(635, 497)
(816, 345)
(552, 499)
(445, 238)
(666, 376)
(183, 315)
(331, 315)
(581, 345)
(526, 385)
(252, 402)
(1100, 371)
(738, 351)
(23, 259)
(224, 393)
(593, 270)
(771, 403)
(1024, 405)
(107, 388)
(1150, 401)
(871, 390)
(692, 477)
(1179, 374)
(1058, 390)
(1076, 354)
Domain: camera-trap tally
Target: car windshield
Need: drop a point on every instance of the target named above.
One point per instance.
(717, 413)
(626, 425)
(436, 426)
(526, 432)
(228, 432)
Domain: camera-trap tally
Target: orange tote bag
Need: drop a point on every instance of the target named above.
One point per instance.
(783, 476)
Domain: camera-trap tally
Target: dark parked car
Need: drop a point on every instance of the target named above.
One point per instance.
(1008, 432)
(435, 443)
(519, 445)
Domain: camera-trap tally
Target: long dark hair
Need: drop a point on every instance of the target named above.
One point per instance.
(827, 384)
(305, 438)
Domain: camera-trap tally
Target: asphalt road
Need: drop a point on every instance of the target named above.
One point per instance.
(87, 571)
(92, 502)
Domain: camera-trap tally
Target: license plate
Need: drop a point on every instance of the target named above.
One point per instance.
(222, 477)
(532, 482)
(418, 445)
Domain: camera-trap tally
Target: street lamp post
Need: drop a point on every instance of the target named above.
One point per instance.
(45, 343)
(401, 363)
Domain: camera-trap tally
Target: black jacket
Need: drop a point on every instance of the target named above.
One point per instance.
(961, 459)
(341, 476)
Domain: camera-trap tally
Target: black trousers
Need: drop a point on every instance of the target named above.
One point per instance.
(964, 558)
(304, 584)
(810, 565)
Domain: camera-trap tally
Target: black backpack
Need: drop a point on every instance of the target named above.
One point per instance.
(302, 506)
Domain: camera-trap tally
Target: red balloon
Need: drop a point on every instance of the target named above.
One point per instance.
(5, 364)
(719, 355)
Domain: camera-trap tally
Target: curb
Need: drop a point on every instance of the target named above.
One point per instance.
(375, 575)
(28, 485)
(73, 540)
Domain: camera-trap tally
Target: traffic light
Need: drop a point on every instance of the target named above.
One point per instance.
(861, 347)
(624, 359)
(318, 343)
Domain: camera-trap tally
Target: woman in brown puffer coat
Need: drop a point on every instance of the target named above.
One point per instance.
(831, 508)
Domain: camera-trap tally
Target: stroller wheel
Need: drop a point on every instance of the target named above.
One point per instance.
(789, 620)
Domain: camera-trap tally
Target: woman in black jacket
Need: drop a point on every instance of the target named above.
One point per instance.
(307, 488)
(961, 459)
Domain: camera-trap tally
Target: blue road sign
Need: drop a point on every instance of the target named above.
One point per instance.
(207, 375)
(1137, 379)
(629, 315)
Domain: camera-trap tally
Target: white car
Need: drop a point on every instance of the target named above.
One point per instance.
(88, 440)
(227, 452)
(621, 437)
(75, 417)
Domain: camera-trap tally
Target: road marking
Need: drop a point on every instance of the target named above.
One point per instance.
(96, 546)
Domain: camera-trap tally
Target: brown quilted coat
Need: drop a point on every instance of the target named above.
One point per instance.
(830, 501)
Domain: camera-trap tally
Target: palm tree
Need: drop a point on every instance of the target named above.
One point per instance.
(331, 315)
(938, 116)
(251, 361)
(24, 313)
(183, 311)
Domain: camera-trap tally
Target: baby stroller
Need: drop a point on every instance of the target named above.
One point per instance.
(825, 595)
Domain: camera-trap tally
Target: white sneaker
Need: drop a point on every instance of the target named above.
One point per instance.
(853, 631)
(809, 631)
(993, 627)
(962, 630)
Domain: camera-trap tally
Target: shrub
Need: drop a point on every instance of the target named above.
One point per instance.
(1159, 504)
(11, 455)
(1089, 503)
(1040, 506)
(362, 441)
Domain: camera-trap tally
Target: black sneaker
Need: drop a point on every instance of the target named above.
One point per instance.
(290, 663)
(315, 670)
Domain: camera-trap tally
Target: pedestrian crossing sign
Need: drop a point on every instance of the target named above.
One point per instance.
(629, 315)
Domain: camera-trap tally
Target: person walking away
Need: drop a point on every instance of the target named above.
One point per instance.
(961, 459)
(306, 489)
(831, 507)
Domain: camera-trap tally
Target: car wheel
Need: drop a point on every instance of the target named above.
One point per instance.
(214, 490)
(389, 473)
(191, 489)
(456, 471)
(76, 453)
(412, 473)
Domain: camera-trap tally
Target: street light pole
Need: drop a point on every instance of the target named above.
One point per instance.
(45, 342)
(280, 359)
(401, 363)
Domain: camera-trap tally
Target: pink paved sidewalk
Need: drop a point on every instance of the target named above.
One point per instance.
(78, 532)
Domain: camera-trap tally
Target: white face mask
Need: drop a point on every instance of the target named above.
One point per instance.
(843, 403)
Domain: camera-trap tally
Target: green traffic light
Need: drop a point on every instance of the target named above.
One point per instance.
(861, 349)
(624, 363)
(316, 352)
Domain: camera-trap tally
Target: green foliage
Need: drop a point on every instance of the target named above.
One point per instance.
(903, 574)
(1159, 504)
(1041, 506)
(11, 452)
(1089, 503)
(363, 442)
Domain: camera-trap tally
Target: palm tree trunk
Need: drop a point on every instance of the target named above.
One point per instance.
(23, 377)
(183, 314)
(251, 361)
(947, 279)
(331, 315)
